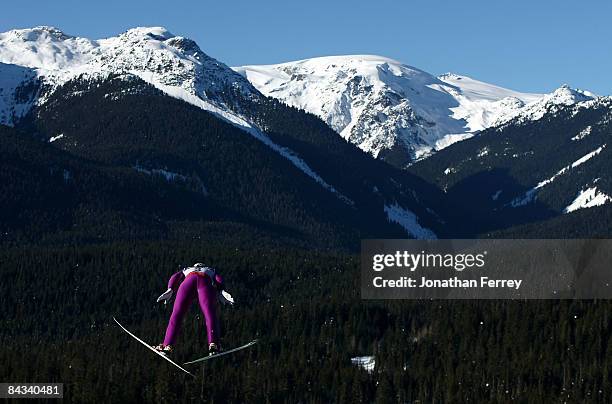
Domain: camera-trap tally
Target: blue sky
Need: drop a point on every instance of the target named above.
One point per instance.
(533, 45)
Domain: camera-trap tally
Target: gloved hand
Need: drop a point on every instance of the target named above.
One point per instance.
(165, 296)
(226, 298)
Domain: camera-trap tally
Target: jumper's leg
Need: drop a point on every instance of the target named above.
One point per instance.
(184, 298)
(207, 297)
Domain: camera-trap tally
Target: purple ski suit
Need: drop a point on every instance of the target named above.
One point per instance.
(194, 284)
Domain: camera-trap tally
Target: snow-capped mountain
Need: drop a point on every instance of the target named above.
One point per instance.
(548, 160)
(174, 64)
(391, 110)
(47, 75)
(154, 53)
(548, 104)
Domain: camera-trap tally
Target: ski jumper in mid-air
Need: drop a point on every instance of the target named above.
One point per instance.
(205, 283)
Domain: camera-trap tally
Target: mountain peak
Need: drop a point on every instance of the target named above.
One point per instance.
(386, 107)
(174, 64)
(549, 103)
(576, 95)
(37, 33)
(567, 95)
(158, 33)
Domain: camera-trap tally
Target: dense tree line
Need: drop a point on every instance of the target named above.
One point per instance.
(306, 311)
(90, 228)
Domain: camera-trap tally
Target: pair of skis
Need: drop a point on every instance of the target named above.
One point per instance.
(202, 359)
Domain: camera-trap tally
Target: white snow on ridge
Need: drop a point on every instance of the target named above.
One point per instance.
(529, 196)
(482, 104)
(588, 198)
(298, 162)
(54, 138)
(409, 222)
(170, 59)
(563, 96)
(377, 102)
(582, 134)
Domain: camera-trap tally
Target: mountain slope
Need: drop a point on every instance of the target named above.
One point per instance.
(550, 160)
(18, 90)
(73, 77)
(138, 128)
(393, 111)
(50, 195)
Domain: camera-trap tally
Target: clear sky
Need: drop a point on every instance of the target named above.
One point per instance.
(533, 45)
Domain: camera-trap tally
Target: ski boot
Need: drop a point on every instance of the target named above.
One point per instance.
(163, 349)
(213, 348)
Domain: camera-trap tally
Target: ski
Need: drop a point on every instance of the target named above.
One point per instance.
(152, 349)
(205, 358)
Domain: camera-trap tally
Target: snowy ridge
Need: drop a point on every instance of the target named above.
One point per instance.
(550, 103)
(170, 60)
(299, 163)
(171, 63)
(380, 104)
(482, 104)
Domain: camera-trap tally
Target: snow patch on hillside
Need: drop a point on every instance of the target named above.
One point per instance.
(168, 175)
(588, 198)
(409, 222)
(368, 363)
(583, 133)
(529, 196)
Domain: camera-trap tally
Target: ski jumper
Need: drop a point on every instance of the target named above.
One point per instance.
(204, 283)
